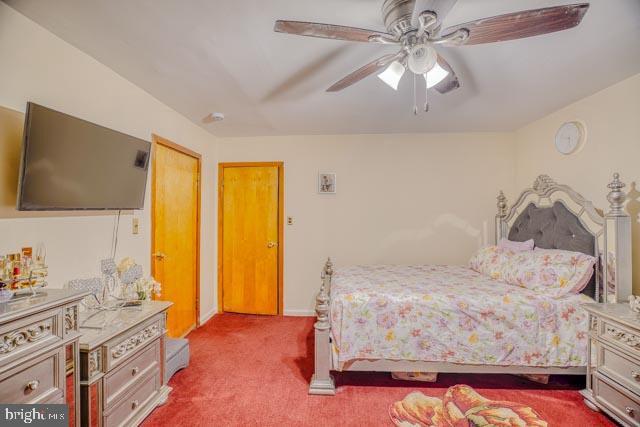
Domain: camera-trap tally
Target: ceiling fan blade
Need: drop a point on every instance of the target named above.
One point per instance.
(449, 83)
(522, 24)
(365, 71)
(440, 7)
(329, 31)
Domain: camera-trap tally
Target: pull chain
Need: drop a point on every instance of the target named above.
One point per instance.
(415, 95)
(426, 95)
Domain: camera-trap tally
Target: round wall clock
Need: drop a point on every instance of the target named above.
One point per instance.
(570, 137)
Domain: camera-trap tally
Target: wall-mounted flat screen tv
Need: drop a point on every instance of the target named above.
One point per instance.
(72, 164)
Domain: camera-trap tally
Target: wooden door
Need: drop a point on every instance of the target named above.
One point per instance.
(251, 244)
(175, 232)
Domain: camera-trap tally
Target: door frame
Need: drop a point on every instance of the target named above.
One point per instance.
(280, 165)
(158, 140)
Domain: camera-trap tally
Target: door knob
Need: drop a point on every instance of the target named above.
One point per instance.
(272, 244)
(159, 255)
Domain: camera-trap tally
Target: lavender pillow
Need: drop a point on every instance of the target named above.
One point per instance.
(515, 246)
(555, 273)
(582, 263)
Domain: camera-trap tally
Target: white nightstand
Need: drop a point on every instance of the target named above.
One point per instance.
(613, 374)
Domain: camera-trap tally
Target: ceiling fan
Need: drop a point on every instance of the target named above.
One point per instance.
(415, 26)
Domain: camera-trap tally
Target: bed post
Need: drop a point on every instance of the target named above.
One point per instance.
(617, 246)
(501, 226)
(322, 381)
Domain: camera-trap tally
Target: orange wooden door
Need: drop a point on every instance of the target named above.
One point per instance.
(250, 248)
(175, 247)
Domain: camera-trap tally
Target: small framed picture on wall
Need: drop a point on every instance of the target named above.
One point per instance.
(326, 183)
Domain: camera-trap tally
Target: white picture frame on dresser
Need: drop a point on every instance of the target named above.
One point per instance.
(613, 370)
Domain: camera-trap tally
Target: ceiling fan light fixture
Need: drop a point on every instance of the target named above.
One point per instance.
(392, 74)
(422, 58)
(435, 75)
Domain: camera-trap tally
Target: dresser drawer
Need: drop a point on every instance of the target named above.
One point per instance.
(625, 405)
(618, 336)
(128, 407)
(619, 367)
(121, 348)
(21, 338)
(40, 380)
(127, 376)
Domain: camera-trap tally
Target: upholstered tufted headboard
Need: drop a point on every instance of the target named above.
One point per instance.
(555, 227)
(556, 216)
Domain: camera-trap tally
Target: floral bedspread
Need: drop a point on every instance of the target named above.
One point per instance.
(451, 314)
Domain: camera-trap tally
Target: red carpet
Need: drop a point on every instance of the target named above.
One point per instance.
(254, 371)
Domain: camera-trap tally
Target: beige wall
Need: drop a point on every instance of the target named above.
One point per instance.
(406, 198)
(11, 128)
(37, 66)
(612, 118)
(400, 199)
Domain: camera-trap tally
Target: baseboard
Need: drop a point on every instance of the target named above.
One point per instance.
(287, 312)
(295, 312)
(207, 316)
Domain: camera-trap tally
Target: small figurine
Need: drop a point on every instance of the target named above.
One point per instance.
(634, 303)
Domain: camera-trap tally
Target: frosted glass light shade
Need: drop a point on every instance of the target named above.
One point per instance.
(435, 75)
(392, 74)
(422, 58)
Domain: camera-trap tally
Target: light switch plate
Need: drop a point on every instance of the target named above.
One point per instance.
(135, 225)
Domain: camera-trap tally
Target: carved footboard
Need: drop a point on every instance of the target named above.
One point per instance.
(322, 382)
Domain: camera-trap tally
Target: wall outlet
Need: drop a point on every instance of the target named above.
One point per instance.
(289, 220)
(135, 226)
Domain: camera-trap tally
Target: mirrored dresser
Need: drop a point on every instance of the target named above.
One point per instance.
(39, 351)
(613, 370)
(122, 364)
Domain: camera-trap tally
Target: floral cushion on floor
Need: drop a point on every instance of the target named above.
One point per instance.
(461, 406)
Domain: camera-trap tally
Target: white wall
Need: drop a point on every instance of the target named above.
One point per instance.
(612, 119)
(400, 199)
(37, 66)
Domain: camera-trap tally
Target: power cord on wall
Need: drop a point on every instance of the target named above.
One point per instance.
(114, 236)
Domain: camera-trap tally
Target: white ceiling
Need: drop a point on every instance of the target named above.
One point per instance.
(200, 56)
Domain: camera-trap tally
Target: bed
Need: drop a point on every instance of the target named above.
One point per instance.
(435, 318)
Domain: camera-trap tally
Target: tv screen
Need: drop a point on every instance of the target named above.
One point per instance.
(71, 164)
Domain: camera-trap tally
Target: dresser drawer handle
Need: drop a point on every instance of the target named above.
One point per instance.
(630, 411)
(32, 385)
(635, 375)
(135, 371)
(134, 404)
